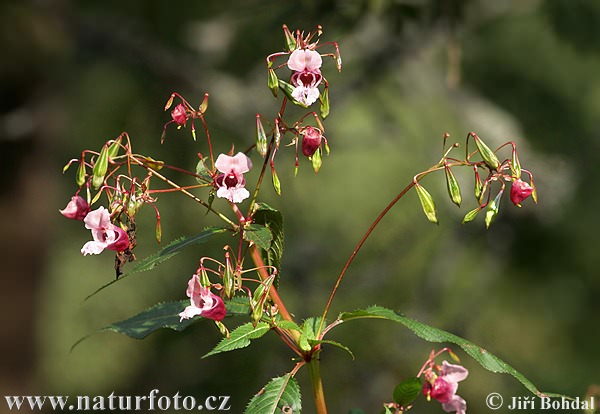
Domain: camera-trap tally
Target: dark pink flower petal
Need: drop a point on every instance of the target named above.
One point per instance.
(202, 302)
(179, 115)
(519, 191)
(311, 140)
(76, 209)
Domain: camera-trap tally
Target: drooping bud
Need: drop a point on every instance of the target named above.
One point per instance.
(311, 140)
(273, 82)
(158, 230)
(519, 191)
(486, 153)
(179, 115)
(76, 209)
(261, 137)
(100, 168)
(317, 160)
(426, 203)
(261, 293)
(453, 187)
(492, 209)
(478, 186)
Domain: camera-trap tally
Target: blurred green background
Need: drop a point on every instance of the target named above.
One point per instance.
(76, 73)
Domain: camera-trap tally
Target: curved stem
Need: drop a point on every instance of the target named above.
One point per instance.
(357, 248)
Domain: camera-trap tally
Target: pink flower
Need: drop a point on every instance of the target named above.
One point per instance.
(179, 115)
(231, 182)
(443, 387)
(311, 140)
(76, 209)
(203, 302)
(106, 235)
(519, 191)
(307, 76)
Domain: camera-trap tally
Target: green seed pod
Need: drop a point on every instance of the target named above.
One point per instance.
(276, 183)
(317, 160)
(427, 203)
(290, 41)
(288, 88)
(204, 105)
(158, 232)
(273, 82)
(228, 279)
(478, 186)
(453, 187)
(324, 99)
(486, 153)
(169, 102)
(80, 176)
(113, 149)
(471, 215)
(492, 210)
(100, 168)
(515, 165)
(261, 293)
(261, 137)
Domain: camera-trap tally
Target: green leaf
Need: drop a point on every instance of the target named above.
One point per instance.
(240, 337)
(280, 395)
(166, 253)
(203, 174)
(165, 315)
(406, 392)
(289, 325)
(272, 220)
(334, 343)
(429, 333)
(259, 235)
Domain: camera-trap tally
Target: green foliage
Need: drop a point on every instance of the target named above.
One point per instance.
(429, 333)
(259, 235)
(240, 337)
(165, 315)
(273, 221)
(406, 392)
(166, 253)
(281, 394)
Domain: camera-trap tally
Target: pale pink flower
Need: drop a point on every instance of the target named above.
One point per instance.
(307, 75)
(519, 191)
(76, 209)
(231, 181)
(106, 235)
(443, 387)
(203, 302)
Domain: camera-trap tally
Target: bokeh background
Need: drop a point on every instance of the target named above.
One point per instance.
(74, 74)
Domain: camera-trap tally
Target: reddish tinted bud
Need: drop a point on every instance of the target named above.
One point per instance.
(519, 191)
(77, 208)
(311, 140)
(179, 115)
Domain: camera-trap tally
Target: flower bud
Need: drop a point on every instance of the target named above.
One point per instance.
(179, 115)
(204, 105)
(76, 209)
(80, 176)
(290, 41)
(113, 149)
(515, 165)
(519, 191)
(276, 182)
(311, 140)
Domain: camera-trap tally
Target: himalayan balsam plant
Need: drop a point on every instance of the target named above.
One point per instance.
(242, 284)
